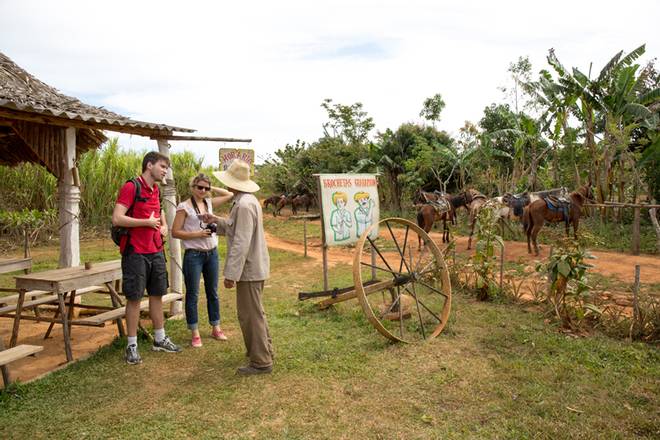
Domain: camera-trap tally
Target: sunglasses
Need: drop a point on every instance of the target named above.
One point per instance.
(202, 188)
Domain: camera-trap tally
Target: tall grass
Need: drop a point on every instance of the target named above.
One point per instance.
(102, 172)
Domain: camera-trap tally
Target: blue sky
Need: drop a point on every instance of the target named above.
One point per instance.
(260, 70)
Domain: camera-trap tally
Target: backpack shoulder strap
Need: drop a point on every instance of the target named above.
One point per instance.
(137, 197)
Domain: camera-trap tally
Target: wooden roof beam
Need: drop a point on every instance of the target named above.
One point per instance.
(199, 138)
(11, 114)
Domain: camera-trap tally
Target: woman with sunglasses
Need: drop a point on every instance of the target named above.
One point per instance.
(201, 253)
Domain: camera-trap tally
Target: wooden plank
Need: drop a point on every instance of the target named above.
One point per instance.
(11, 299)
(18, 352)
(199, 138)
(121, 311)
(46, 299)
(14, 265)
(72, 278)
(635, 237)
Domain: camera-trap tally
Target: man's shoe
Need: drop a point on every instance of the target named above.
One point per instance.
(132, 356)
(166, 345)
(249, 370)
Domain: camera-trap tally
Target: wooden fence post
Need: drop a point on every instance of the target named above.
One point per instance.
(305, 235)
(635, 238)
(501, 268)
(635, 317)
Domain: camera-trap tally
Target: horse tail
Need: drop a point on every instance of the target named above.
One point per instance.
(420, 219)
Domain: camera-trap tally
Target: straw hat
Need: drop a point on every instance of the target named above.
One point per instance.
(237, 176)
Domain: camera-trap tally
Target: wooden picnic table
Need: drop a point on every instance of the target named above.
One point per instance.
(63, 282)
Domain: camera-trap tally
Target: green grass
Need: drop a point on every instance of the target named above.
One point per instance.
(496, 372)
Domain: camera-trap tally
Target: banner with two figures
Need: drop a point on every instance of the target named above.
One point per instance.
(349, 205)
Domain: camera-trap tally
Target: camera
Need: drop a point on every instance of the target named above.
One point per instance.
(212, 227)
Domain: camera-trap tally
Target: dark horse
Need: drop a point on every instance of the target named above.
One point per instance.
(538, 212)
(282, 202)
(437, 206)
(303, 200)
(272, 200)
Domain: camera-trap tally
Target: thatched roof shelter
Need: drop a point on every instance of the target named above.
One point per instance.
(34, 116)
(41, 125)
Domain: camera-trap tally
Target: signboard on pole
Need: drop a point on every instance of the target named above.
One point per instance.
(349, 206)
(227, 156)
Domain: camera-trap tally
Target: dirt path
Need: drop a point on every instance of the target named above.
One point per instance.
(611, 264)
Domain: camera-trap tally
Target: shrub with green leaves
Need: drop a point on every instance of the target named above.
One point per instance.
(484, 259)
(569, 291)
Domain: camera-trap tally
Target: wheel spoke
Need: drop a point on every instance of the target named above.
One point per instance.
(379, 268)
(398, 248)
(421, 253)
(402, 253)
(373, 245)
(398, 291)
(389, 309)
(432, 288)
(424, 305)
(419, 313)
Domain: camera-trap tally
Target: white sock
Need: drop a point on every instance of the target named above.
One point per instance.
(132, 340)
(159, 334)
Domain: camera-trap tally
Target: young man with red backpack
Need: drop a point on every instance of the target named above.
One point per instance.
(143, 264)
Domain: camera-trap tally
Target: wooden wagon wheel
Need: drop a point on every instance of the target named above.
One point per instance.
(412, 299)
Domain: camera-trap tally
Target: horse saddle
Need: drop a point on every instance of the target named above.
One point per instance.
(517, 203)
(441, 206)
(558, 204)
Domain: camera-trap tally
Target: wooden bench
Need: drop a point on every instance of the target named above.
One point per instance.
(113, 315)
(15, 264)
(32, 294)
(46, 298)
(14, 354)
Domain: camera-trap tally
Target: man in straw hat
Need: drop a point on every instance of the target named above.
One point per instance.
(247, 264)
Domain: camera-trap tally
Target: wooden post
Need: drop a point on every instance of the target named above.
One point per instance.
(501, 269)
(305, 234)
(635, 317)
(6, 378)
(169, 200)
(324, 246)
(373, 262)
(635, 238)
(69, 203)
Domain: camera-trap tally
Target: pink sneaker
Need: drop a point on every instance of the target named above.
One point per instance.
(196, 341)
(219, 335)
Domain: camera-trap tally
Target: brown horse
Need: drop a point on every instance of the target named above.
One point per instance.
(272, 200)
(474, 201)
(284, 200)
(538, 212)
(303, 200)
(428, 214)
(423, 197)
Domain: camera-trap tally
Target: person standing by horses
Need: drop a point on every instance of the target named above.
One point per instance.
(201, 253)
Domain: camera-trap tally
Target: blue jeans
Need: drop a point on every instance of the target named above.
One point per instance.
(196, 263)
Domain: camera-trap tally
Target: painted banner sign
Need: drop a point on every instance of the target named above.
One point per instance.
(227, 156)
(349, 204)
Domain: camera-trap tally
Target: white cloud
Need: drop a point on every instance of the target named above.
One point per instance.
(261, 69)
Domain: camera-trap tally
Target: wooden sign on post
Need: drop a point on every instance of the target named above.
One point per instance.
(228, 155)
(349, 206)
